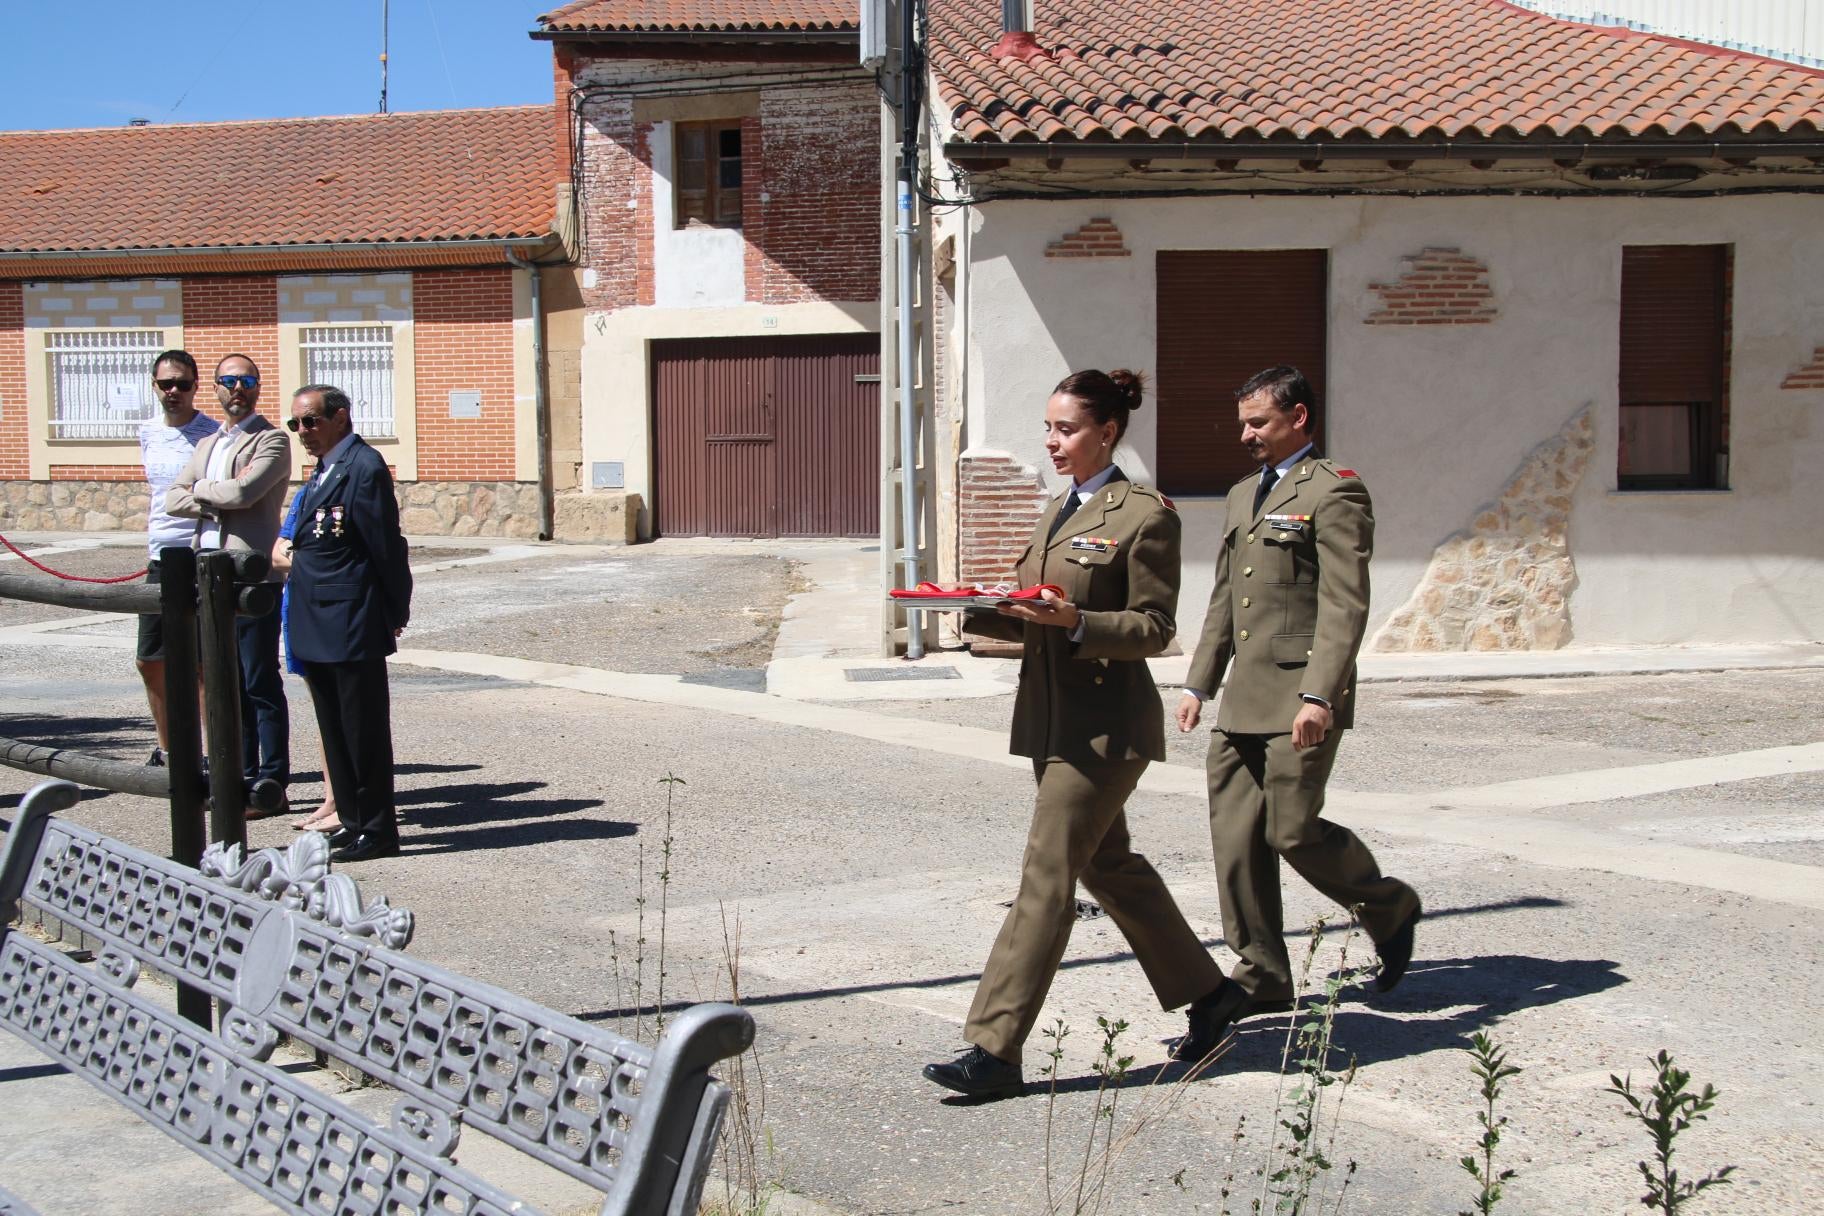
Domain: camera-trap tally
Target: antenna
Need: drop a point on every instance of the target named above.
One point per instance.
(383, 32)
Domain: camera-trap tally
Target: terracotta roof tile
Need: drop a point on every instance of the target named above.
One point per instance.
(437, 175)
(1337, 69)
(687, 15)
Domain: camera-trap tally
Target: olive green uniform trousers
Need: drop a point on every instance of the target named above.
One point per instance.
(1079, 833)
(1266, 802)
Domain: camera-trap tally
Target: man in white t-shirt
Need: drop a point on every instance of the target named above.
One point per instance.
(165, 445)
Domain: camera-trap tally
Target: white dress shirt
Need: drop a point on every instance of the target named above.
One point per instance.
(221, 467)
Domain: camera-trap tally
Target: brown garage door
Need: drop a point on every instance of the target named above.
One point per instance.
(767, 436)
(1224, 315)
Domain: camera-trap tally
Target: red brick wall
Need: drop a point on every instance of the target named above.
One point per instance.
(1439, 287)
(14, 443)
(998, 502)
(818, 165)
(617, 236)
(98, 472)
(753, 218)
(811, 155)
(561, 85)
(641, 218)
(234, 315)
(1097, 239)
(462, 322)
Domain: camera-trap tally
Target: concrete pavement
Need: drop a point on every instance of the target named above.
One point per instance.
(1611, 864)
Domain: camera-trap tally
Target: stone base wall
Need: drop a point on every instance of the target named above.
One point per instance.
(74, 506)
(1506, 582)
(603, 519)
(469, 508)
(426, 508)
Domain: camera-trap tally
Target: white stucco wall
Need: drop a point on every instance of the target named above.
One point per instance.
(697, 266)
(1437, 418)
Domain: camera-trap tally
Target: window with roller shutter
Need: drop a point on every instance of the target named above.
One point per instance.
(1674, 373)
(1225, 314)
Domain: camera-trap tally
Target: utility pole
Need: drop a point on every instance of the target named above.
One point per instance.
(890, 40)
(384, 25)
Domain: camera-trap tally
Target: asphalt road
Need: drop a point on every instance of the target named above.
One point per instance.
(853, 886)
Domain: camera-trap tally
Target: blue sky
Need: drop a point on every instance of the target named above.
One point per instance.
(97, 64)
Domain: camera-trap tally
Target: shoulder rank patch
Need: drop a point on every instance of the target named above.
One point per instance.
(1170, 505)
(1347, 473)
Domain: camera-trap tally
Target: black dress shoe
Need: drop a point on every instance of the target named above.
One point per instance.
(1208, 1019)
(1210, 1016)
(979, 1075)
(1396, 954)
(366, 847)
(342, 837)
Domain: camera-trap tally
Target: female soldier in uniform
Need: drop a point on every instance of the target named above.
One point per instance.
(1089, 716)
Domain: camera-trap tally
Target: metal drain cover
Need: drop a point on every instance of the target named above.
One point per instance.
(865, 675)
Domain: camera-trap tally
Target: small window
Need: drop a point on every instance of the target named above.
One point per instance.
(1674, 382)
(101, 381)
(358, 359)
(708, 185)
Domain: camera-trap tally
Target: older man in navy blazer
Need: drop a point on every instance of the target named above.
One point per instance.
(351, 596)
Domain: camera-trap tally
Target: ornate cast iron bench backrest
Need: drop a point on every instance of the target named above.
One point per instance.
(295, 952)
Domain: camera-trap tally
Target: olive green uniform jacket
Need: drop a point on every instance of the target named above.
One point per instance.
(1117, 559)
(1290, 603)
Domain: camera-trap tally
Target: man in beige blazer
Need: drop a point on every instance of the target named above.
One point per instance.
(1289, 609)
(234, 487)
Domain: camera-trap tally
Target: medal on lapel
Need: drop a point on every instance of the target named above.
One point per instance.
(318, 531)
(335, 515)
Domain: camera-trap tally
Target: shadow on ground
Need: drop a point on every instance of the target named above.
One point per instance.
(944, 981)
(103, 736)
(1453, 998)
(1465, 994)
(482, 815)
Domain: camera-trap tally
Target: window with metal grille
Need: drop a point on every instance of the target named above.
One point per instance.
(358, 359)
(1674, 375)
(708, 186)
(101, 381)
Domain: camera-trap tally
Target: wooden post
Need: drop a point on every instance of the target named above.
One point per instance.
(183, 732)
(216, 595)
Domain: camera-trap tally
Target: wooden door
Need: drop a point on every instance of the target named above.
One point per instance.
(767, 436)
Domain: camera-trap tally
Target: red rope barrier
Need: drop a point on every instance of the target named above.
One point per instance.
(74, 578)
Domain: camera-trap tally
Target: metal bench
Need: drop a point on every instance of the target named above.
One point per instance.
(290, 949)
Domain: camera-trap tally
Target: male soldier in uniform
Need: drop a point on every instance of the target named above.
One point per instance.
(1289, 607)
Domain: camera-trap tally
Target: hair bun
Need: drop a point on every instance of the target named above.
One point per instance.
(1131, 385)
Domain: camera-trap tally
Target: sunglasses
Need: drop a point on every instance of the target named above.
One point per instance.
(182, 386)
(234, 382)
(307, 421)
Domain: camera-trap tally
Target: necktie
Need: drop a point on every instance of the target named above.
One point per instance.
(1268, 477)
(1065, 512)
